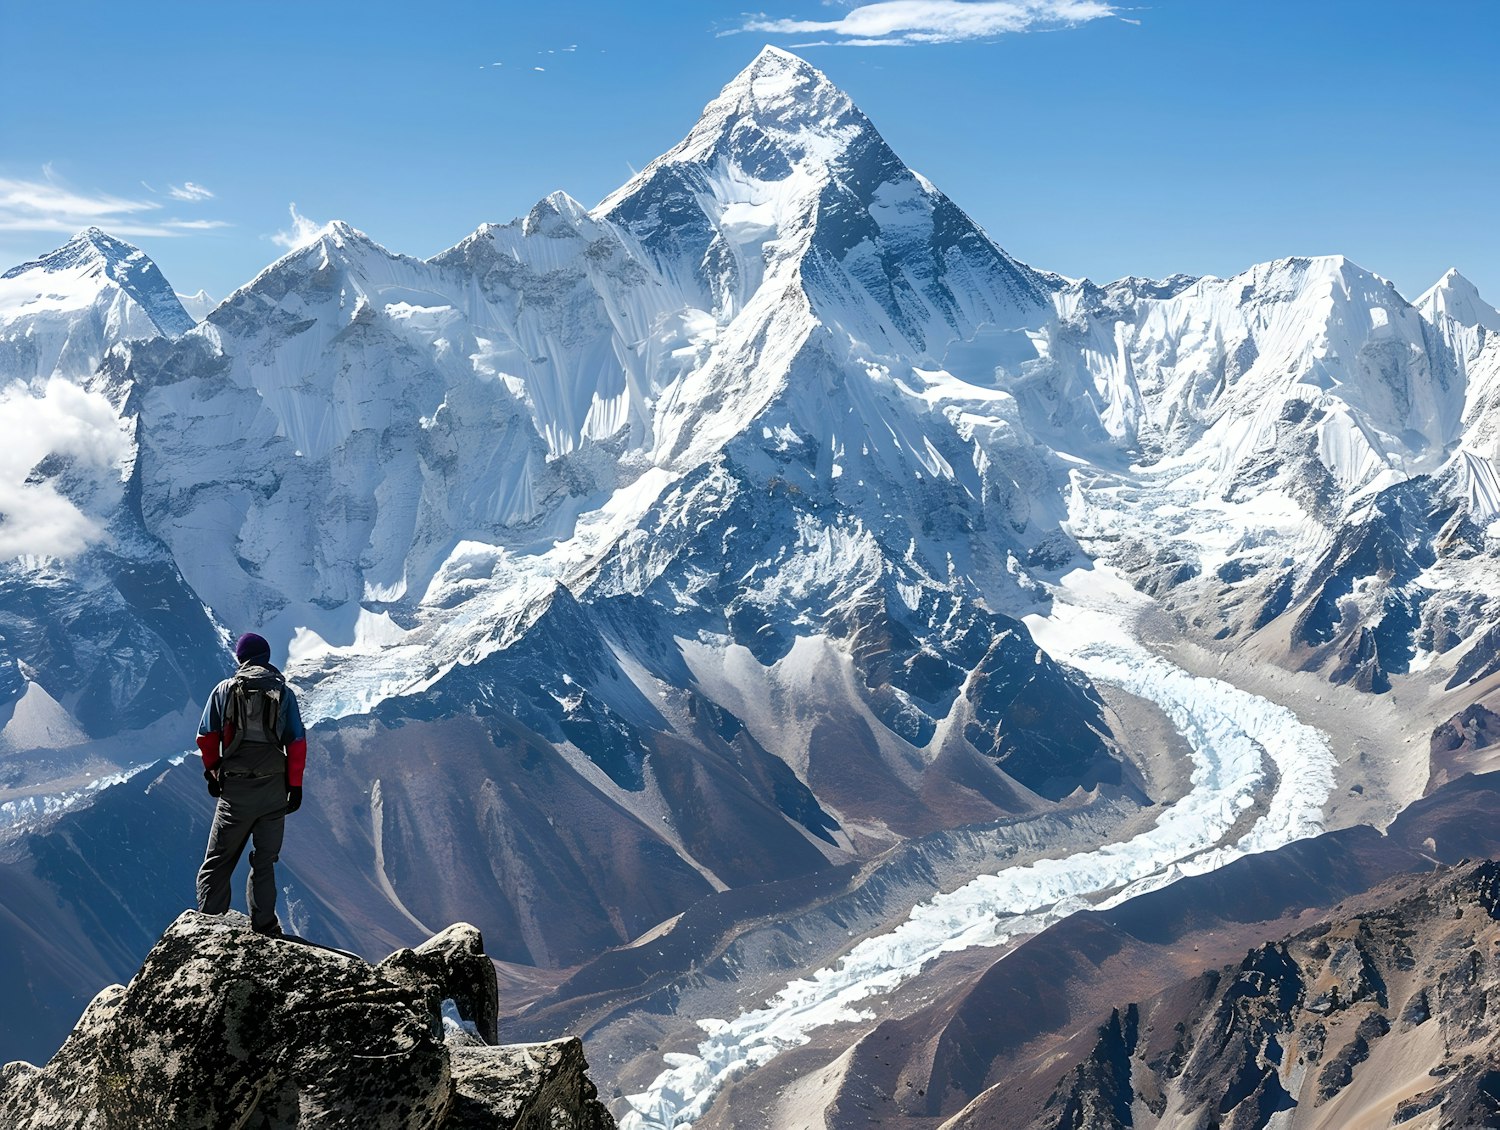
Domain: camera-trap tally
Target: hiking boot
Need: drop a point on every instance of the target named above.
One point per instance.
(271, 931)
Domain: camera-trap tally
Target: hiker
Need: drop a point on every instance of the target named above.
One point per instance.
(254, 749)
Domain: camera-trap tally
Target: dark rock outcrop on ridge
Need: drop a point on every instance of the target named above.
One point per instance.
(222, 1027)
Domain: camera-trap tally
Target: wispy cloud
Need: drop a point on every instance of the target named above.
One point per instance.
(36, 520)
(299, 233)
(49, 205)
(41, 203)
(187, 190)
(905, 23)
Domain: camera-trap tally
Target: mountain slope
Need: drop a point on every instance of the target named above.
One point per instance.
(1314, 468)
(1380, 1016)
(98, 634)
(993, 1042)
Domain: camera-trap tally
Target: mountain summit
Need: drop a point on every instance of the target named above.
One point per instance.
(92, 261)
(1456, 297)
(783, 153)
(778, 114)
(61, 312)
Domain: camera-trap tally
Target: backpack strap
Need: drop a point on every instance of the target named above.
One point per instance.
(270, 716)
(234, 715)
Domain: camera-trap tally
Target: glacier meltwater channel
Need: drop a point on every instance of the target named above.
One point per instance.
(1230, 733)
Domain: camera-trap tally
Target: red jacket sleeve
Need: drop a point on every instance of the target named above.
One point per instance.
(296, 761)
(208, 745)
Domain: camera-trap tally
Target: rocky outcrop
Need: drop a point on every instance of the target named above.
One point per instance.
(1469, 742)
(1377, 1017)
(222, 1027)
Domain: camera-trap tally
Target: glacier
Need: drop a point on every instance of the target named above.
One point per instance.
(1231, 735)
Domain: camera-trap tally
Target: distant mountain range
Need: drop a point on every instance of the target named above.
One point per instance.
(670, 558)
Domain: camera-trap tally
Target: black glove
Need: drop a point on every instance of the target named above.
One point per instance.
(294, 798)
(214, 788)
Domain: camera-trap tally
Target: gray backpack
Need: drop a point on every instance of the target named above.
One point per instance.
(253, 712)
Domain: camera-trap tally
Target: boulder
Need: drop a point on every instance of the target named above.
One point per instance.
(225, 1028)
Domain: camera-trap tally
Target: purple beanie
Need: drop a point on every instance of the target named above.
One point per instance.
(250, 647)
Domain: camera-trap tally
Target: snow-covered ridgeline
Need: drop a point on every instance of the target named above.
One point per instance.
(15, 814)
(1230, 734)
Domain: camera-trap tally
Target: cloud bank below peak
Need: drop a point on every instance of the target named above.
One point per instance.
(59, 419)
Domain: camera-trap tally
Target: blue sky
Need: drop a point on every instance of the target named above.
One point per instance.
(1088, 138)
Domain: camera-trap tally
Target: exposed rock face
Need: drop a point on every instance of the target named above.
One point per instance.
(1465, 743)
(222, 1027)
(1379, 1018)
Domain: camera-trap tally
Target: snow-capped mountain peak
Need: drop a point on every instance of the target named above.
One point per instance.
(73, 277)
(556, 214)
(61, 312)
(92, 246)
(341, 233)
(749, 173)
(337, 249)
(338, 241)
(783, 179)
(197, 305)
(778, 110)
(1455, 297)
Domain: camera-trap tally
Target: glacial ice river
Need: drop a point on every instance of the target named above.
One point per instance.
(1231, 735)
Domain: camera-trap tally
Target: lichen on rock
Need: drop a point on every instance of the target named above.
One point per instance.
(222, 1027)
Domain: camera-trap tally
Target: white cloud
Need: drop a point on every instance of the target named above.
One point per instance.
(903, 23)
(64, 419)
(301, 232)
(40, 201)
(50, 206)
(187, 190)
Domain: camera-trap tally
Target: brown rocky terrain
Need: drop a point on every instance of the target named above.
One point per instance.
(1384, 1014)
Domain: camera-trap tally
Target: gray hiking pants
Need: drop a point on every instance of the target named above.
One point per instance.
(250, 808)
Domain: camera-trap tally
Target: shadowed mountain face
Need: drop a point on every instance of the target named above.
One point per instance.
(638, 562)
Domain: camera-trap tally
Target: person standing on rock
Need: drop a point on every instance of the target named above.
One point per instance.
(254, 750)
